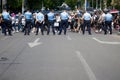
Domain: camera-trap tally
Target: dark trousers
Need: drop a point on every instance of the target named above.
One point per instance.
(2, 27)
(64, 26)
(108, 26)
(39, 25)
(103, 25)
(50, 24)
(86, 24)
(7, 25)
(27, 27)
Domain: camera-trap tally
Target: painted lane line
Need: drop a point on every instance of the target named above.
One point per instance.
(105, 42)
(69, 38)
(86, 66)
(35, 43)
(36, 40)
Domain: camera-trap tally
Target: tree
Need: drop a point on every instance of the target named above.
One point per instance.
(34, 4)
(71, 3)
(14, 5)
(117, 4)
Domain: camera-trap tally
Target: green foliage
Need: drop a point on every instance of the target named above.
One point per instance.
(14, 3)
(34, 4)
(117, 7)
(71, 3)
(37, 4)
(109, 2)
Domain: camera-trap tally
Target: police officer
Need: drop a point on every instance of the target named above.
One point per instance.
(28, 17)
(6, 22)
(108, 23)
(64, 22)
(51, 18)
(39, 22)
(87, 21)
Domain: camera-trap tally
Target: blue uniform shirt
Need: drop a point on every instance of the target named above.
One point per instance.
(108, 17)
(64, 15)
(5, 15)
(28, 15)
(50, 16)
(39, 16)
(86, 16)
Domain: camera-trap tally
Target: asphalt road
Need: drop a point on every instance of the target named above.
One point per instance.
(60, 57)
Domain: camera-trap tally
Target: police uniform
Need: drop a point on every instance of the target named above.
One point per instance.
(51, 17)
(64, 22)
(108, 22)
(7, 24)
(28, 17)
(87, 22)
(39, 23)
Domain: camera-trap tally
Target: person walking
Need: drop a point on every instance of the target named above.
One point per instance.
(39, 22)
(64, 22)
(87, 21)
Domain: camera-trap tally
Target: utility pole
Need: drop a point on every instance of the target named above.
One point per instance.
(42, 4)
(23, 3)
(85, 5)
(100, 4)
(96, 4)
(92, 4)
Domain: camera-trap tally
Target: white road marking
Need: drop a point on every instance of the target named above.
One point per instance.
(35, 43)
(86, 66)
(105, 42)
(69, 38)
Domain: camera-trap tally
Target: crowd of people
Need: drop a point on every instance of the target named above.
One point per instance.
(75, 21)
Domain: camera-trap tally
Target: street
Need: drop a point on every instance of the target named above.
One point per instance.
(60, 57)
